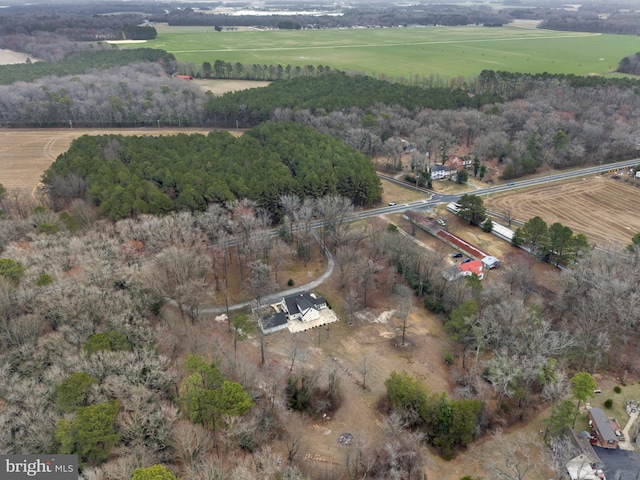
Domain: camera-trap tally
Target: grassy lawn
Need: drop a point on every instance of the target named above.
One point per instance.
(416, 53)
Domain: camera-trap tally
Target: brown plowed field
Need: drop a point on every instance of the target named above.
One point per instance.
(26, 154)
(604, 209)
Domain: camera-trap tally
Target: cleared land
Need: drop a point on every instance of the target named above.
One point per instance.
(413, 53)
(9, 57)
(219, 87)
(604, 209)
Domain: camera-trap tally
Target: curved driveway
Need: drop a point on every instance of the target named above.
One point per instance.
(277, 296)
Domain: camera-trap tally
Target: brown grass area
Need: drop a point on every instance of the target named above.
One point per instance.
(603, 209)
(393, 192)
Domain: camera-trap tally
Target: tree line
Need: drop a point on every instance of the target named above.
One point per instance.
(630, 64)
(50, 35)
(134, 95)
(101, 58)
(587, 19)
(74, 26)
(256, 71)
(332, 92)
(369, 16)
(129, 176)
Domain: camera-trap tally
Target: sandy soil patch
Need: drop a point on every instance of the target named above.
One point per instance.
(9, 57)
(603, 209)
(219, 87)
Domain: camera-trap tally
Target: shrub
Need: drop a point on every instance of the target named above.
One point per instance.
(608, 403)
(11, 270)
(617, 389)
(433, 304)
(48, 228)
(155, 472)
(112, 340)
(91, 434)
(44, 280)
(290, 282)
(448, 358)
(71, 222)
(72, 392)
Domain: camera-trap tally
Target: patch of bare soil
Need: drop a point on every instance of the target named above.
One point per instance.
(603, 209)
(9, 57)
(219, 87)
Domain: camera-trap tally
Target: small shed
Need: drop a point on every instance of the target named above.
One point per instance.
(601, 425)
(490, 262)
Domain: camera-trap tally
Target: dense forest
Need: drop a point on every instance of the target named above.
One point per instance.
(129, 176)
(135, 95)
(553, 120)
(333, 92)
(103, 57)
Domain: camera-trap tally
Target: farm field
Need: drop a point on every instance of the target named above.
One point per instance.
(605, 210)
(413, 53)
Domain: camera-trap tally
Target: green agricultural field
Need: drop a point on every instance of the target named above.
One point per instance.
(405, 52)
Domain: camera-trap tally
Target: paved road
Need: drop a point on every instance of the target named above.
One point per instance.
(432, 201)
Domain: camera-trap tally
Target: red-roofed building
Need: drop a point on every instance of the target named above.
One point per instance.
(469, 268)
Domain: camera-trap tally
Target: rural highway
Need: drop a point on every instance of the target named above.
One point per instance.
(434, 200)
(530, 182)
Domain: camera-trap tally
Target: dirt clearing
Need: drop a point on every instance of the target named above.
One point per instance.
(219, 87)
(9, 57)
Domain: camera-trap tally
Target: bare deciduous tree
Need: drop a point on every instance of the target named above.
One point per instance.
(180, 276)
(513, 458)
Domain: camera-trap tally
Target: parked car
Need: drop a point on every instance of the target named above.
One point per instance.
(441, 222)
(392, 204)
(456, 255)
(466, 260)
